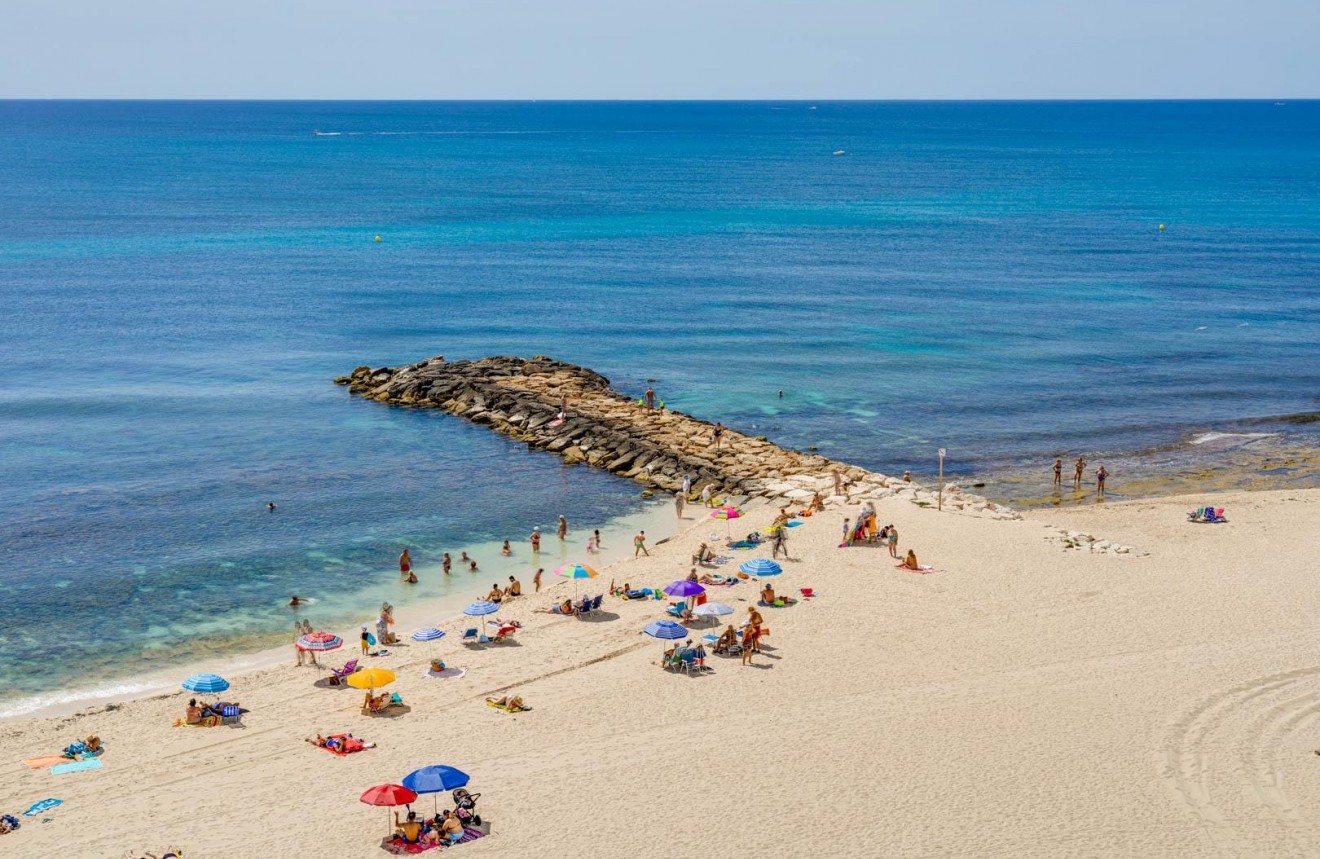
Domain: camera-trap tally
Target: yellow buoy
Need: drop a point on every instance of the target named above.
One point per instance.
(378, 237)
(1161, 230)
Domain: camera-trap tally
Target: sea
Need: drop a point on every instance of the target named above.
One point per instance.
(1137, 283)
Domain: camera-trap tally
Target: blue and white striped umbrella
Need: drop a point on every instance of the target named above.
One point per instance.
(428, 633)
(206, 683)
(760, 567)
(665, 629)
(481, 607)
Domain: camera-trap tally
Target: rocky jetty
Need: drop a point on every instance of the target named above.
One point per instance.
(522, 398)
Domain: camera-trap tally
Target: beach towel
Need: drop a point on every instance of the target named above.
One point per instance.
(46, 761)
(399, 847)
(44, 805)
(794, 523)
(76, 766)
(503, 708)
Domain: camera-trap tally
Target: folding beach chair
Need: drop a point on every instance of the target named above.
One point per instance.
(230, 714)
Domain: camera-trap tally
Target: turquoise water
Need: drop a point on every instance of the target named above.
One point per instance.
(182, 280)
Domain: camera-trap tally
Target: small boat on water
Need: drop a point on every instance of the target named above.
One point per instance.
(840, 152)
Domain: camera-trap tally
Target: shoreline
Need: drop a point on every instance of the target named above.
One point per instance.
(655, 517)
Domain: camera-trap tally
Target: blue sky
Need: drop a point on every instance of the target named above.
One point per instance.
(735, 49)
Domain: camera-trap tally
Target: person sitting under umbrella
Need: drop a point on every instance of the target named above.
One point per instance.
(409, 829)
(727, 640)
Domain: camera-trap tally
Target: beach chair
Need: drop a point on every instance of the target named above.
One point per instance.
(474, 636)
(349, 667)
(230, 714)
(596, 601)
(504, 634)
(676, 610)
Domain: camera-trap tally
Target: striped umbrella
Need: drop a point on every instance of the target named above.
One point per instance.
(727, 513)
(665, 629)
(428, 633)
(760, 567)
(206, 683)
(320, 641)
(576, 571)
(481, 607)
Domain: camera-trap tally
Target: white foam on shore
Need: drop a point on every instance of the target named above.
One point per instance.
(1207, 437)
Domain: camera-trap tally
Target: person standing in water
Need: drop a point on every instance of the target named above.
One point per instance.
(678, 505)
(1078, 468)
(562, 529)
(1100, 475)
(1058, 471)
(596, 534)
(536, 540)
(447, 562)
(405, 565)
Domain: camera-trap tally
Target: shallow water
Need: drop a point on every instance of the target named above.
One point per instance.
(182, 281)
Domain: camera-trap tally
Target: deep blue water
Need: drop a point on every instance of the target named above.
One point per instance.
(180, 282)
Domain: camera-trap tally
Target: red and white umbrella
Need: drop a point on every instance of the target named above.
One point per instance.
(320, 641)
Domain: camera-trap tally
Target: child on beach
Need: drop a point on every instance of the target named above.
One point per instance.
(506, 550)
(536, 579)
(591, 545)
(847, 532)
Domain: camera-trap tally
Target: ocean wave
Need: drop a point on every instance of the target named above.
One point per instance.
(1208, 437)
(34, 703)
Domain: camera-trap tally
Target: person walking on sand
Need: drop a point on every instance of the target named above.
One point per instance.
(893, 542)
(297, 649)
(780, 544)
(1078, 468)
(639, 545)
(366, 645)
(536, 579)
(1058, 471)
(1100, 475)
(536, 540)
(678, 505)
(596, 534)
(562, 529)
(847, 532)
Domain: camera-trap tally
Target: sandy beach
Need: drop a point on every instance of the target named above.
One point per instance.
(1025, 699)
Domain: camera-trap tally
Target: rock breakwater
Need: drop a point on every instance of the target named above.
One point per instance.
(523, 398)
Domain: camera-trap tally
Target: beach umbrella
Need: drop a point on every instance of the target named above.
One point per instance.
(684, 588)
(206, 683)
(665, 629)
(712, 610)
(428, 633)
(434, 780)
(727, 513)
(388, 795)
(481, 607)
(576, 571)
(320, 641)
(760, 567)
(371, 678)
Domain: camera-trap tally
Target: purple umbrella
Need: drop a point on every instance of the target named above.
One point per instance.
(684, 588)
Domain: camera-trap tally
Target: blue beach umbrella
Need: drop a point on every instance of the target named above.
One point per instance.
(760, 567)
(434, 779)
(481, 607)
(428, 633)
(206, 683)
(665, 629)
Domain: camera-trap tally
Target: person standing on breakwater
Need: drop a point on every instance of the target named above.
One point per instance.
(678, 505)
(1100, 475)
(650, 397)
(536, 540)
(1058, 471)
(562, 529)
(447, 562)
(716, 434)
(838, 482)
(1078, 468)
(639, 545)
(536, 579)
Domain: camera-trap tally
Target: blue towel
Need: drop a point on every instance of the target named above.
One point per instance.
(44, 805)
(76, 766)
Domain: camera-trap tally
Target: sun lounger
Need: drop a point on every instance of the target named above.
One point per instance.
(349, 667)
(230, 714)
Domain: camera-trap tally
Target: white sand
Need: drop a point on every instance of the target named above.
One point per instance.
(1024, 701)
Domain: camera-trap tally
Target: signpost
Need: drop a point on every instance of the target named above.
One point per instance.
(940, 503)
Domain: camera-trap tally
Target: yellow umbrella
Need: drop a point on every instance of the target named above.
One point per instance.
(371, 678)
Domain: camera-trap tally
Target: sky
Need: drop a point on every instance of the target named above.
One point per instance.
(642, 49)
